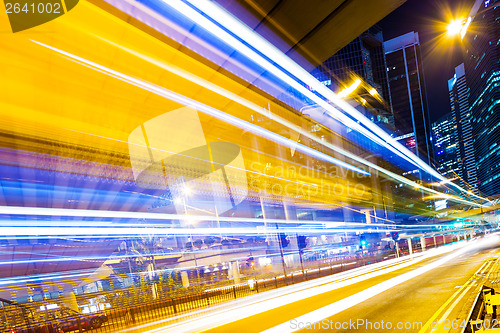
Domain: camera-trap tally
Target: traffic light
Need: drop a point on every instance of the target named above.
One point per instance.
(395, 235)
(284, 240)
(362, 240)
(250, 261)
(302, 242)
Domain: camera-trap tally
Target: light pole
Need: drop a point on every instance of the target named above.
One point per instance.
(280, 244)
(186, 191)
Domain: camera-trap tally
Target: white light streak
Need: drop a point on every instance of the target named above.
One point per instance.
(463, 31)
(282, 121)
(313, 288)
(349, 90)
(269, 50)
(348, 302)
(210, 111)
(145, 230)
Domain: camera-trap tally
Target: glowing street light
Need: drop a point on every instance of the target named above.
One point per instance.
(347, 91)
(455, 27)
(443, 182)
(373, 92)
(458, 27)
(186, 190)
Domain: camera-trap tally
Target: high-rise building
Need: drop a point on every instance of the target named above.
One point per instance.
(445, 140)
(459, 104)
(363, 61)
(408, 94)
(482, 70)
(363, 58)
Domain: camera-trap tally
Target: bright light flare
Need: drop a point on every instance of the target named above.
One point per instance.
(455, 27)
(463, 31)
(349, 90)
(373, 92)
(443, 182)
(186, 190)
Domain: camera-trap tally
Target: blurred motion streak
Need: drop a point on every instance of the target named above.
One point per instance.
(156, 154)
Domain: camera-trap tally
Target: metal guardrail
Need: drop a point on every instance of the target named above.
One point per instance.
(165, 306)
(482, 316)
(476, 313)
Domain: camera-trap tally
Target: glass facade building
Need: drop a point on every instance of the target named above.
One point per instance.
(445, 146)
(459, 104)
(408, 93)
(482, 69)
(362, 58)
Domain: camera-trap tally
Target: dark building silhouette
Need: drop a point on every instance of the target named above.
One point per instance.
(363, 58)
(445, 138)
(482, 71)
(459, 103)
(408, 94)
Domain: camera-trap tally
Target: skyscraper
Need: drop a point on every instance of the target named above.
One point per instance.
(362, 58)
(408, 94)
(482, 70)
(363, 61)
(459, 104)
(448, 162)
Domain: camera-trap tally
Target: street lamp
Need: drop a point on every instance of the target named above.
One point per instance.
(186, 190)
(455, 27)
(347, 91)
(460, 26)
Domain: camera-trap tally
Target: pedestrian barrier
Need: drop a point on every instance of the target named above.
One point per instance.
(483, 314)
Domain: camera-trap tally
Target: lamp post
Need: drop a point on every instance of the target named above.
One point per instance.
(280, 244)
(186, 191)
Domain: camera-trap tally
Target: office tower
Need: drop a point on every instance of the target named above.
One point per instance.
(363, 58)
(459, 104)
(445, 138)
(482, 70)
(408, 94)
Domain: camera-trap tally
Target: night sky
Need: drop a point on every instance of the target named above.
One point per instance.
(440, 56)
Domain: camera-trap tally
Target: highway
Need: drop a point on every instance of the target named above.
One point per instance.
(408, 294)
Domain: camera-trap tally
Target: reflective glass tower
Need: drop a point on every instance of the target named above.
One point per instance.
(459, 104)
(482, 70)
(362, 58)
(445, 136)
(408, 94)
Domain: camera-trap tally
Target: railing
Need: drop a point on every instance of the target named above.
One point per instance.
(482, 316)
(128, 316)
(166, 305)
